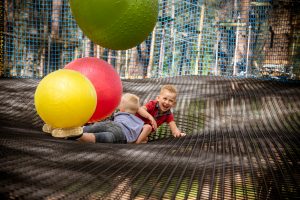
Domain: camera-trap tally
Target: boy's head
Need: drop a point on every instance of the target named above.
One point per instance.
(129, 103)
(167, 97)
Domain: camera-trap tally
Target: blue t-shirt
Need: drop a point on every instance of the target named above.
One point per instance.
(131, 125)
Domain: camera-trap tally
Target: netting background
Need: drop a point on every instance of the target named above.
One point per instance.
(242, 133)
(191, 37)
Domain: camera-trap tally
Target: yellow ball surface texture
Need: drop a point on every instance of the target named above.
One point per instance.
(65, 99)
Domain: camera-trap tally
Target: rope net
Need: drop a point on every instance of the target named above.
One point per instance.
(242, 143)
(242, 132)
(195, 37)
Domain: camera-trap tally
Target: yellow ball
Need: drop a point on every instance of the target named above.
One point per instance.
(65, 99)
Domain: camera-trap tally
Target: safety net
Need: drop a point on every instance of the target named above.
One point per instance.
(242, 143)
(235, 64)
(192, 37)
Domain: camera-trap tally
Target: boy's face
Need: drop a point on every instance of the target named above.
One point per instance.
(166, 100)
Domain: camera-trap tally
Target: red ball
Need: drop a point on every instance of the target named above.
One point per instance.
(106, 81)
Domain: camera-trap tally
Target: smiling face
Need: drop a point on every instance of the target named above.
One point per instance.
(166, 100)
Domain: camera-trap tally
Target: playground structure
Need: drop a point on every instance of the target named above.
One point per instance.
(235, 64)
(197, 37)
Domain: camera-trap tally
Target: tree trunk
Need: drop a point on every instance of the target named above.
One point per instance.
(56, 10)
(8, 31)
(126, 63)
(241, 36)
(86, 47)
(161, 53)
(150, 64)
(133, 65)
(199, 40)
(8, 16)
(109, 56)
(173, 37)
(162, 42)
(119, 62)
(277, 48)
(143, 57)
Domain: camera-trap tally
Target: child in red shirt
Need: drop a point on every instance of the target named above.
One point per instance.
(156, 112)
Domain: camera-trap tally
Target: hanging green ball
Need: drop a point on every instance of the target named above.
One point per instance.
(115, 24)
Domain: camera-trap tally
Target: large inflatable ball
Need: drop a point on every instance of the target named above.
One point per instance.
(115, 24)
(65, 99)
(106, 81)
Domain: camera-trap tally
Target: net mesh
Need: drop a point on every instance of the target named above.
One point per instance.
(242, 143)
(242, 132)
(196, 37)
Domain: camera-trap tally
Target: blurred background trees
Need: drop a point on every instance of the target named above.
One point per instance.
(191, 37)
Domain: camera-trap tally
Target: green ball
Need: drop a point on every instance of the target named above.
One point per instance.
(115, 24)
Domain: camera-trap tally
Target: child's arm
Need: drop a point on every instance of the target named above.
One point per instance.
(144, 113)
(143, 137)
(175, 131)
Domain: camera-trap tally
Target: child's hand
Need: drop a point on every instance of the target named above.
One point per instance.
(179, 134)
(153, 123)
(182, 134)
(175, 131)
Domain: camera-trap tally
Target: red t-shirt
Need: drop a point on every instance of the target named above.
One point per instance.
(159, 116)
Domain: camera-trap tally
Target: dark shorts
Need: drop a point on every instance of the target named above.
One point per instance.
(106, 132)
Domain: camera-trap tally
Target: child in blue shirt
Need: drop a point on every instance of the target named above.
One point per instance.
(125, 127)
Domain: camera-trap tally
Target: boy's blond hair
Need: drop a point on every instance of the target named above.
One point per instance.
(170, 88)
(130, 103)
